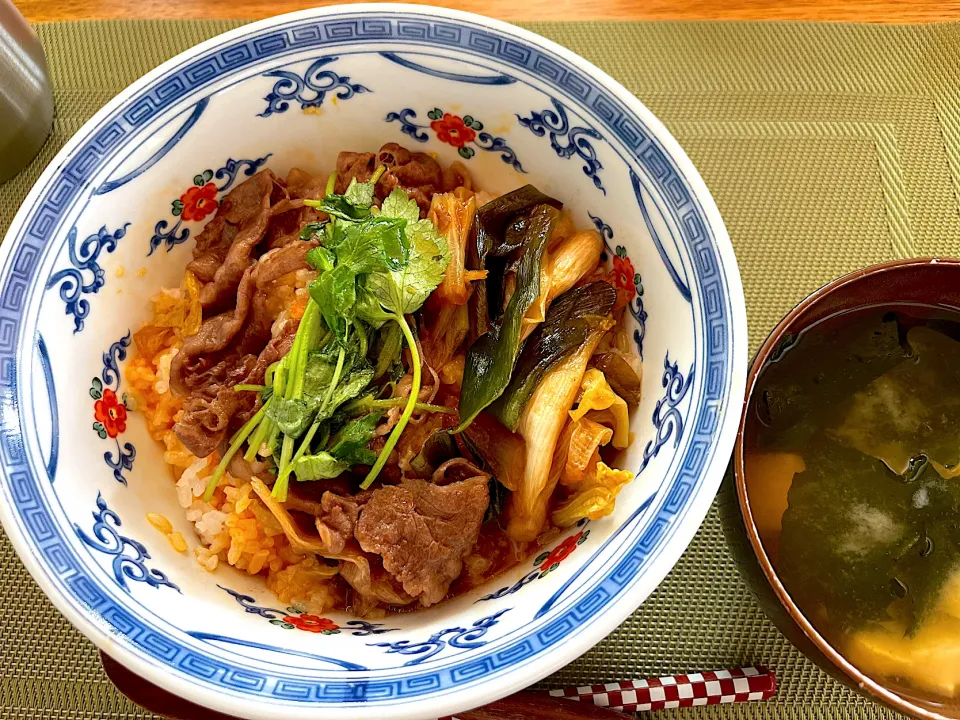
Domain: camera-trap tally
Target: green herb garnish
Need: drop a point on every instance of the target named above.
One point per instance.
(403, 291)
(350, 443)
(374, 268)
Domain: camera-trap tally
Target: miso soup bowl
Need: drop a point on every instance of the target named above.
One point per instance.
(105, 228)
(931, 281)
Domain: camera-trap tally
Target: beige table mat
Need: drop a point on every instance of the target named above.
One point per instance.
(827, 148)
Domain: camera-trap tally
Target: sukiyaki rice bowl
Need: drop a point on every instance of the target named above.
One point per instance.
(364, 357)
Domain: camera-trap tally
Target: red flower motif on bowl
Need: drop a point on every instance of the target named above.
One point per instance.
(452, 130)
(198, 202)
(312, 623)
(111, 413)
(561, 552)
(623, 273)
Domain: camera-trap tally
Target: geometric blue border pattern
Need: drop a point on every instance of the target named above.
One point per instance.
(325, 33)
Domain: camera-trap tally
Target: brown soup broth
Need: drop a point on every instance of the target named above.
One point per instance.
(853, 476)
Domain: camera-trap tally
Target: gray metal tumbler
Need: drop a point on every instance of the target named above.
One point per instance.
(26, 104)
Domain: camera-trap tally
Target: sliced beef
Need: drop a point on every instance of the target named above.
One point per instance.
(455, 176)
(212, 406)
(372, 585)
(216, 238)
(277, 347)
(218, 293)
(414, 172)
(456, 470)
(354, 166)
(287, 217)
(337, 520)
(212, 403)
(417, 173)
(310, 494)
(276, 263)
(221, 291)
(423, 532)
(244, 203)
(305, 186)
(231, 348)
(234, 343)
(215, 334)
(335, 512)
(255, 333)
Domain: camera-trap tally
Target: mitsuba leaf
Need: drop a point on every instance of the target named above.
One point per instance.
(340, 207)
(375, 245)
(311, 229)
(405, 290)
(322, 466)
(384, 266)
(355, 375)
(318, 373)
(490, 358)
(333, 234)
(350, 443)
(401, 206)
(388, 348)
(335, 292)
(351, 385)
(369, 310)
(291, 416)
(359, 194)
(320, 258)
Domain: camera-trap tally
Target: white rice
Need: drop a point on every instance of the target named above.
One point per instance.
(191, 485)
(163, 371)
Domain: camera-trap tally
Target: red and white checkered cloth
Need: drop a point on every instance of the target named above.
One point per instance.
(709, 688)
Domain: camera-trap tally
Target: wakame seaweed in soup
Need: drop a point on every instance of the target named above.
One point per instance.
(854, 476)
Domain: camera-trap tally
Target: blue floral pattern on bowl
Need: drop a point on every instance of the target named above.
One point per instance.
(463, 133)
(110, 410)
(84, 258)
(567, 141)
(129, 555)
(460, 638)
(295, 618)
(567, 127)
(667, 418)
(310, 89)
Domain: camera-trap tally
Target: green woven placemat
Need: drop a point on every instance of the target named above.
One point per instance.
(827, 148)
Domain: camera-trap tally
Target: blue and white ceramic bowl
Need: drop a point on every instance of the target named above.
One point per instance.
(101, 232)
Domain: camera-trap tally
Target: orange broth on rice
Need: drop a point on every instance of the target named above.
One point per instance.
(256, 534)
